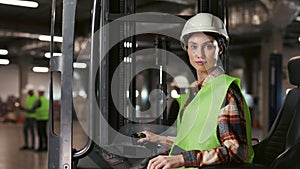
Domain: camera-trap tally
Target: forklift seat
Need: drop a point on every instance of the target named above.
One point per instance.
(290, 157)
(275, 142)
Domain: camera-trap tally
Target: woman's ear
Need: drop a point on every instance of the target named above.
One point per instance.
(221, 49)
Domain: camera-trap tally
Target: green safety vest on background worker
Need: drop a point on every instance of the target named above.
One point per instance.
(29, 102)
(198, 128)
(42, 112)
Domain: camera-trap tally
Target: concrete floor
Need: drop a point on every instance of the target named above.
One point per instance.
(11, 139)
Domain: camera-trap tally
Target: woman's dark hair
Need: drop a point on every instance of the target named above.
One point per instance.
(219, 38)
(223, 44)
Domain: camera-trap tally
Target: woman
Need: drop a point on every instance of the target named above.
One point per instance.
(214, 123)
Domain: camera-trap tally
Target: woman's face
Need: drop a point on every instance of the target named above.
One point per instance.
(203, 52)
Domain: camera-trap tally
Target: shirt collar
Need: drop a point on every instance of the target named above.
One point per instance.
(213, 74)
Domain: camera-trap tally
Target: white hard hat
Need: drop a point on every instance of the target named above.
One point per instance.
(41, 88)
(29, 87)
(181, 82)
(203, 22)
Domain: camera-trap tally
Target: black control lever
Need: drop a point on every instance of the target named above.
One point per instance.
(139, 135)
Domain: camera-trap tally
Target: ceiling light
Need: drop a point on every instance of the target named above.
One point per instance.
(127, 59)
(48, 54)
(29, 4)
(40, 69)
(79, 65)
(127, 45)
(4, 61)
(48, 38)
(3, 52)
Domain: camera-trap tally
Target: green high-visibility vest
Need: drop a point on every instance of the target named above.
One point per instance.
(42, 112)
(29, 102)
(182, 99)
(198, 127)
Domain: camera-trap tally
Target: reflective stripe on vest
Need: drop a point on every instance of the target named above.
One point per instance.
(198, 128)
(30, 100)
(42, 112)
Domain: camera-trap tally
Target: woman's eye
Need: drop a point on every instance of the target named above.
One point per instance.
(193, 47)
(209, 46)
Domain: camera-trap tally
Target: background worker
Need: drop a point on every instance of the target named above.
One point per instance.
(29, 121)
(42, 116)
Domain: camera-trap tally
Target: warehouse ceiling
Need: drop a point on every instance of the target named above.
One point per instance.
(20, 27)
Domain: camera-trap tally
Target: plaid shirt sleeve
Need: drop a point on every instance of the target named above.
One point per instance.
(231, 133)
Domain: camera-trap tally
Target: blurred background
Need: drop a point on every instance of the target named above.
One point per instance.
(264, 35)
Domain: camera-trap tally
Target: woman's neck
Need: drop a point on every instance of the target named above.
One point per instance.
(201, 75)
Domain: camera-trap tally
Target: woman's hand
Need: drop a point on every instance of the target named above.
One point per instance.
(150, 137)
(166, 162)
(154, 138)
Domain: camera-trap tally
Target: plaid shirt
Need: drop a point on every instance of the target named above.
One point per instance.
(231, 131)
